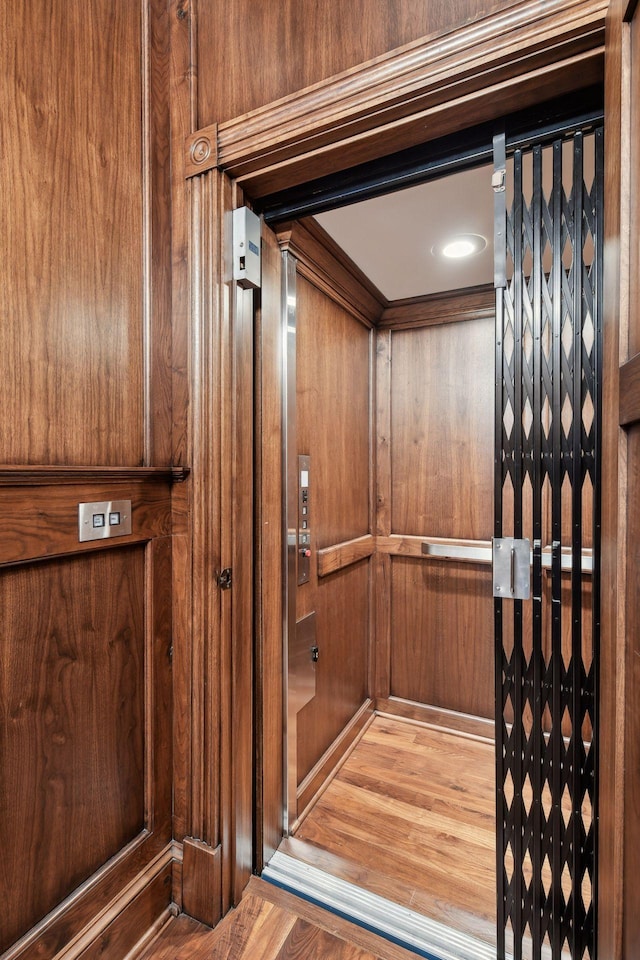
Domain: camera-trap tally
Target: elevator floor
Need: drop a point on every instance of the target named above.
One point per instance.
(410, 816)
(271, 924)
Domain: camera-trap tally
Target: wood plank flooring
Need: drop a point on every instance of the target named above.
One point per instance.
(271, 924)
(411, 816)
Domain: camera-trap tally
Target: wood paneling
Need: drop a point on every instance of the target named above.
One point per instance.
(342, 608)
(469, 304)
(73, 708)
(38, 522)
(628, 400)
(443, 720)
(321, 261)
(333, 415)
(611, 893)
(333, 427)
(318, 777)
(442, 430)
(86, 396)
(201, 890)
(519, 57)
(128, 928)
(442, 630)
(631, 922)
(344, 554)
(630, 390)
(307, 42)
(71, 271)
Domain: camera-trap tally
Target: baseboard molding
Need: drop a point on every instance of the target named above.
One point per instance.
(141, 904)
(333, 758)
(202, 881)
(438, 718)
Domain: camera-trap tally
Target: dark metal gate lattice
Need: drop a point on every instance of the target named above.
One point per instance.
(548, 387)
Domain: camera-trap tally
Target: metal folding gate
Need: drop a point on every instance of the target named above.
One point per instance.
(547, 491)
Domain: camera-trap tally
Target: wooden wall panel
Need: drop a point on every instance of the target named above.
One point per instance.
(342, 606)
(631, 923)
(307, 41)
(333, 415)
(630, 831)
(442, 430)
(72, 694)
(72, 232)
(333, 427)
(442, 629)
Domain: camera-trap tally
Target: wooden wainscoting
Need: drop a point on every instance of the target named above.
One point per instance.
(85, 687)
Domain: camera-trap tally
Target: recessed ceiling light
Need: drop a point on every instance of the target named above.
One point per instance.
(465, 245)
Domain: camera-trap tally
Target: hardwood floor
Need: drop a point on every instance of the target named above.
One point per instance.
(271, 924)
(410, 816)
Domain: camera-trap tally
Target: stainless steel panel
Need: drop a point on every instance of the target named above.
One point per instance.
(511, 568)
(304, 520)
(101, 520)
(302, 663)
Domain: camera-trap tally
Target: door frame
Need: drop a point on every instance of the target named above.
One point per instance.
(420, 92)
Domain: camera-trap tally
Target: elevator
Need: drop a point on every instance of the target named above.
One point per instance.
(417, 431)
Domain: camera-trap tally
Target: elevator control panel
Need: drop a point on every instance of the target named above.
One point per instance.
(304, 521)
(104, 519)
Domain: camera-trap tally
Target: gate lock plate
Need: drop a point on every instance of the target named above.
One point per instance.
(511, 568)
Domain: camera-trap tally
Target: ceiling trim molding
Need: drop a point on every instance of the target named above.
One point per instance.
(324, 264)
(530, 52)
(470, 303)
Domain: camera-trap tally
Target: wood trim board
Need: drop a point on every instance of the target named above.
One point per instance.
(412, 94)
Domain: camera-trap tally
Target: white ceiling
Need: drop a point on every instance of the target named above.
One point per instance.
(391, 237)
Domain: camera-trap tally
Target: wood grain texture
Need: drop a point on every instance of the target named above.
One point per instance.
(72, 234)
(631, 922)
(342, 608)
(343, 555)
(455, 305)
(43, 475)
(328, 921)
(327, 266)
(630, 391)
(530, 53)
(381, 658)
(442, 635)
(122, 936)
(442, 430)
(201, 881)
(157, 279)
(332, 387)
(411, 816)
(183, 82)
(73, 703)
(329, 762)
(273, 925)
(38, 522)
(309, 44)
(617, 202)
(441, 719)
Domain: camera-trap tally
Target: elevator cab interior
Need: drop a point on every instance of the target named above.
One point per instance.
(390, 453)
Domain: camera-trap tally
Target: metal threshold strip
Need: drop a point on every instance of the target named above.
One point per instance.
(424, 936)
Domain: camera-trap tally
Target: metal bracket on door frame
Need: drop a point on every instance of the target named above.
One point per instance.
(511, 568)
